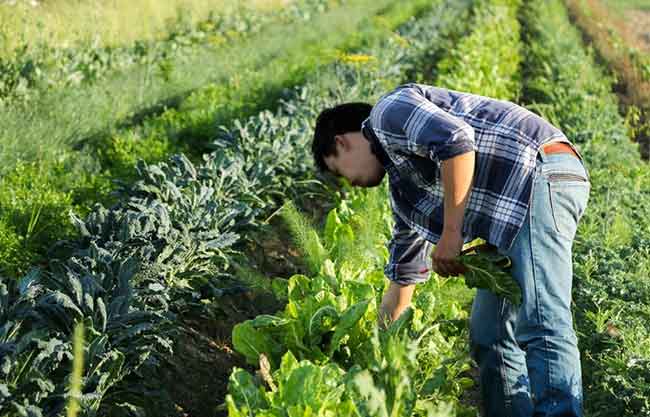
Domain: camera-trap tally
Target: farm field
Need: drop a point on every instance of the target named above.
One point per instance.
(158, 191)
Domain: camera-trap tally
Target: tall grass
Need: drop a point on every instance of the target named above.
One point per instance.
(64, 24)
(77, 370)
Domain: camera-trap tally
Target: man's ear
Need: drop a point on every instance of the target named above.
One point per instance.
(343, 141)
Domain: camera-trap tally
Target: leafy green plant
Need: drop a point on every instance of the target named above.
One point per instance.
(489, 270)
(381, 385)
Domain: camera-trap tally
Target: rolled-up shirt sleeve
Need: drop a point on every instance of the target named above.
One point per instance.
(409, 261)
(410, 123)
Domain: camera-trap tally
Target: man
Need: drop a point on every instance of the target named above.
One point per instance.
(507, 176)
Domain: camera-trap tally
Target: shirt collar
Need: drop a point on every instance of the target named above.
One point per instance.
(375, 145)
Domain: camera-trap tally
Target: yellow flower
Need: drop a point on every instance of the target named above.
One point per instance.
(355, 58)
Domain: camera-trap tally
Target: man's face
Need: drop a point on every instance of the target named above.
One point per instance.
(355, 161)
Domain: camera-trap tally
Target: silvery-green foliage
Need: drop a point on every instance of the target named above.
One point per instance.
(123, 336)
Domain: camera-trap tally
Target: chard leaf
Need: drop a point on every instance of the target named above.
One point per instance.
(243, 390)
(288, 364)
(349, 319)
(316, 324)
(250, 342)
(371, 400)
(491, 271)
(402, 322)
(267, 320)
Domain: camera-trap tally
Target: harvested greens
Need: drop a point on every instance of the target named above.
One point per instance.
(488, 269)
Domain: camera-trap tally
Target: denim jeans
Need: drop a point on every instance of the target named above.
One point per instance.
(528, 357)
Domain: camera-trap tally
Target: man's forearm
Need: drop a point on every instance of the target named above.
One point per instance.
(457, 176)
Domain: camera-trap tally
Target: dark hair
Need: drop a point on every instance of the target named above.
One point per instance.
(334, 121)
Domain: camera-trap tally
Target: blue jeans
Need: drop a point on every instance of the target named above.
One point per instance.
(528, 355)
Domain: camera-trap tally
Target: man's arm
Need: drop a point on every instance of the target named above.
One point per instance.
(457, 176)
(411, 124)
(396, 299)
(408, 264)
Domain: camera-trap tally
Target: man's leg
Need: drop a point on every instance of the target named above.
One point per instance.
(502, 364)
(535, 342)
(542, 261)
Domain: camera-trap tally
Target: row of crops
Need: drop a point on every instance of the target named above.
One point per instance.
(162, 250)
(30, 69)
(166, 248)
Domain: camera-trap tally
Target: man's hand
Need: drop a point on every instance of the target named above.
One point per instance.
(444, 258)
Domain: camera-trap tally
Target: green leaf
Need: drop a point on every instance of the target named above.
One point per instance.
(349, 319)
(250, 342)
(245, 393)
(371, 400)
(402, 322)
(491, 271)
(331, 225)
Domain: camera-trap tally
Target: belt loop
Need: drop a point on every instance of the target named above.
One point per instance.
(541, 155)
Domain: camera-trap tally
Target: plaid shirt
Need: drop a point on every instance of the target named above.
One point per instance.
(416, 126)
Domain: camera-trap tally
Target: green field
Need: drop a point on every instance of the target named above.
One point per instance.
(158, 192)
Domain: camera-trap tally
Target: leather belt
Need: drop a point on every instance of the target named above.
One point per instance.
(559, 147)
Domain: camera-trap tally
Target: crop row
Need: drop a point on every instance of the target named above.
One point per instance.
(36, 195)
(323, 353)
(611, 251)
(163, 249)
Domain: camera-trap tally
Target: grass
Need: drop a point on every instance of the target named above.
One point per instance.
(621, 6)
(64, 24)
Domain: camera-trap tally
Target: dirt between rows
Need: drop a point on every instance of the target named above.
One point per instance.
(638, 24)
(204, 357)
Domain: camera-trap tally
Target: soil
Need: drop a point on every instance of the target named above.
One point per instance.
(197, 375)
(638, 23)
(204, 357)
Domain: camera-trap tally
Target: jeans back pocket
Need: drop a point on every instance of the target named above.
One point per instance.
(568, 193)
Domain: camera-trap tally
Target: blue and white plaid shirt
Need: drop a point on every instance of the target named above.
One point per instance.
(413, 128)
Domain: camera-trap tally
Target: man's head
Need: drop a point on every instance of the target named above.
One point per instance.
(340, 148)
